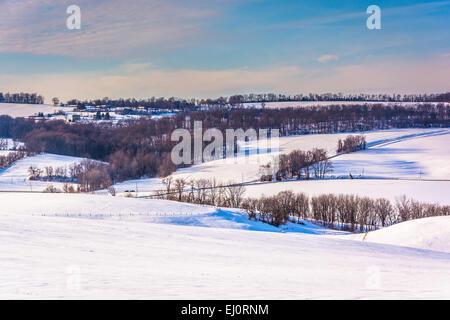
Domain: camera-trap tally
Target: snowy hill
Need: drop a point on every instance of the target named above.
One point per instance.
(246, 169)
(25, 110)
(98, 207)
(15, 177)
(424, 156)
(57, 256)
(428, 233)
(397, 153)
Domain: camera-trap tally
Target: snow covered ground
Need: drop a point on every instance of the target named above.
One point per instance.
(424, 156)
(15, 177)
(396, 153)
(428, 233)
(245, 168)
(145, 256)
(16, 110)
(131, 209)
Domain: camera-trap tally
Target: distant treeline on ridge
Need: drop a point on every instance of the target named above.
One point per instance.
(239, 100)
(24, 98)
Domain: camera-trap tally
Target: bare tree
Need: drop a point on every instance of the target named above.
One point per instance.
(180, 185)
(167, 182)
(3, 144)
(404, 208)
(234, 194)
(302, 206)
(34, 173)
(112, 191)
(384, 211)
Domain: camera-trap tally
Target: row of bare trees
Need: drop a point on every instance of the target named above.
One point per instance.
(279, 209)
(12, 157)
(203, 191)
(273, 97)
(362, 214)
(344, 212)
(352, 144)
(299, 164)
(88, 174)
(32, 98)
(67, 188)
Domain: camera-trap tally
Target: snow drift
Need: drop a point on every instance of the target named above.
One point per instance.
(427, 233)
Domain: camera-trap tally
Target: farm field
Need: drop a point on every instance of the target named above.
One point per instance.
(88, 245)
(428, 233)
(126, 257)
(207, 151)
(246, 168)
(417, 155)
(15, 177)
(16, 110)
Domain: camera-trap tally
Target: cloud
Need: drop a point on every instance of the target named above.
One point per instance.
(396, 77)
(327, 57)
(109, 28)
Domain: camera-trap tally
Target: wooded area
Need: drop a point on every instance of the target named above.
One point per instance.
(137, 148)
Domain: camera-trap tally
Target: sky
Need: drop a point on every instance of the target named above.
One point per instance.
(212, 48)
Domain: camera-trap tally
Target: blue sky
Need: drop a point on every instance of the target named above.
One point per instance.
(207, 48)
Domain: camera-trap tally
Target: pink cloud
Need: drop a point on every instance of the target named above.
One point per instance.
(109, 28)
(396, 77)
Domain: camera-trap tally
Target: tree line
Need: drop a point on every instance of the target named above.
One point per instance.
(11, 157)
(151, 103)
(298, 164)
(239, 99)
(326, 119)
(203, 191)
(24, 98)
(344, 212)
(352, 144)
(274, 97)
(89, 176)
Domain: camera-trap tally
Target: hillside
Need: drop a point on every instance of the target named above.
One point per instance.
(425, 156)
(16, 110)
(15, 177)
(416, 154)
(245, 168)
(54, 257)
(428, 233)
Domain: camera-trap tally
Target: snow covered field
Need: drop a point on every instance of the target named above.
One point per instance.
(16, 110)
(397, 153)
(245, 168)
(58, 256)
(418, 157)
(56, 246)
(428, 233)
